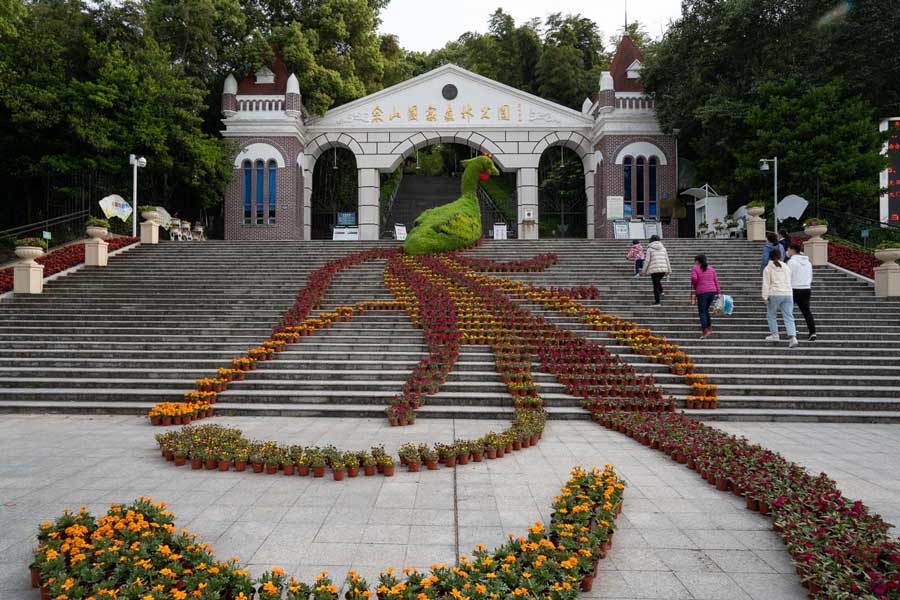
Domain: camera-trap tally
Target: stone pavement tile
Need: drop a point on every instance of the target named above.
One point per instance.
(391, 516)
(609, 584)
(343, 516)
(477, 518)
(424, 555)
(306, 514)
(244, 538)
(710, 539)
(262, 513)
(634, 559)
(739, 561)
(770, 586)
(386, 534)
(430, 516)
(689, 561)
(381, 556)
(779, 560)
(490, 537)
(293, 533)
(655, 584)
(760, 540)
(711, 586)
(666, 538)
(432, 534)
(208, 530)
(329, 553)
(15, 580)
(740, 521)
(629, 538)
(686, 521)
(648, 520)
(518, 520)
(350, 533)
(279, 553)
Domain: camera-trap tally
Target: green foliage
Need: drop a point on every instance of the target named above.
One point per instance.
(32, 241)
(457, 224)
(720, 61)
(97, 222)
(11, 12)
(816, 132)
(501, 190)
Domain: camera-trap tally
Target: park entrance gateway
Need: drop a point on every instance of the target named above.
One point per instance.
(629, 164)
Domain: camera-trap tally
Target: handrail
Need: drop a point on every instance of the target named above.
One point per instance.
(386, 216)
(483, 196)
(41, 225)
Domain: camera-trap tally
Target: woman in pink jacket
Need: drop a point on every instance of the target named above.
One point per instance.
(706, 288)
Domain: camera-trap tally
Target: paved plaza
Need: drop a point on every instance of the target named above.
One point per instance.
(678, 538)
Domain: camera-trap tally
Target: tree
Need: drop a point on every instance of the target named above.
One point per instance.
(90, 89)
(11, 12)
(709, 68)
(638, 34)
(819, 136)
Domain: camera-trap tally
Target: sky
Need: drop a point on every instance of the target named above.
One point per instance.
(428, 24)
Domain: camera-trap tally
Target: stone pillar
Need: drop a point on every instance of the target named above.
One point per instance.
(28, 278)
(756, 229)
(149, 232)
(527, 191)
(307, 164)
(369, 190)
(887, 275)
(817, 251)
(589, 165)
(96, 251)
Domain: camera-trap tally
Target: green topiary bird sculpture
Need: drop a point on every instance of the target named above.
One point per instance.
(457, 224)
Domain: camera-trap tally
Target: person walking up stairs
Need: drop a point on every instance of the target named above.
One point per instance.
(778, 295)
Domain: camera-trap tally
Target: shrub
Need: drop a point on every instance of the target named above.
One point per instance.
(97, 222)
(32, 241)
(814, 222)
(888, 245)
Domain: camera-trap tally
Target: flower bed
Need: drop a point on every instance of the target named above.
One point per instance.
(840, 549)
(135, 552)
(62, 259)
(179, 413)
(852, 259)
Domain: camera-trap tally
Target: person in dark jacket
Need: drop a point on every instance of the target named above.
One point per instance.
(785, 243)
(771, 244)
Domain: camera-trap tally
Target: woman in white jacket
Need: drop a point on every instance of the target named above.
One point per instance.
(778, 295)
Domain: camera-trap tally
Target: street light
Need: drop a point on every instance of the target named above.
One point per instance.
(764, 169)
(135, 162)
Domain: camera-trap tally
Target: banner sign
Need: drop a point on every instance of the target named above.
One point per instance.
(346, 219)
(893, 173)
(399, 232)
(115, 206)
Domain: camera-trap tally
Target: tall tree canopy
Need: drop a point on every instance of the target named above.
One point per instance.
(713, 73)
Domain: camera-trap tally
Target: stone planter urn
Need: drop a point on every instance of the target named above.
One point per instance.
(756, 211)
(29, 253)
(97, 233)
(887, 256)
(150, 215)
(815, 231)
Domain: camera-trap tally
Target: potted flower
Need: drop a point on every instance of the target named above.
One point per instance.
(302, 463)
(368, 463)
(888, 252)
(815, 228)
(351, 461)
(149, 213)
(756, 208)
(409, 454)
(30, 248)
(338, 469)
(241, 455)
(97, 228)
(429, 456)
(462, 452)
(316, 462)
(386, 464)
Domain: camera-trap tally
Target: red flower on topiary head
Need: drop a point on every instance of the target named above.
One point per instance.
(484, 176)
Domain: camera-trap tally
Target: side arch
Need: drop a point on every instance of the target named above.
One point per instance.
(646, 149)
(259, 151)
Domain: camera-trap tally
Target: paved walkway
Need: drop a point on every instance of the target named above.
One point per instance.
(679, 538)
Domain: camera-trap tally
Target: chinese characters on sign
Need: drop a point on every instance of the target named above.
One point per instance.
(450, 113)
(893, 188)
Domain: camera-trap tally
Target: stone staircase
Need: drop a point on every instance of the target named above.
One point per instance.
(143, 329)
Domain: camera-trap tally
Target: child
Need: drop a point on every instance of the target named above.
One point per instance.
(636, 253)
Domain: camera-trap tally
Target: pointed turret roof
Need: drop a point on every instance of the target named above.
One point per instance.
(626, 53)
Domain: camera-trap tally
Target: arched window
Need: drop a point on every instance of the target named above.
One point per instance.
(248, 192)
(273, 175)
(639, 186)
(260, 183)
(627, 187)
(651, 203)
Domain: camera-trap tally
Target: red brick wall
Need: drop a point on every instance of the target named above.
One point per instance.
(610, 179)
(289, 193)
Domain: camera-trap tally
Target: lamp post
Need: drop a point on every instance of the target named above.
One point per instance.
(764, 168)
(135, 161)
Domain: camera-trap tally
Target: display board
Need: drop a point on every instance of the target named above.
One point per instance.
(636, 230)
(652, 228)
(499, 231)
(346, 219)
(620, 230)
(615, 207)
(893, 173)
(345, 233)
(400, 232)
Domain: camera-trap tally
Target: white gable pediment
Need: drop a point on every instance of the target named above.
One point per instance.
(634, 70)
(479, 103)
